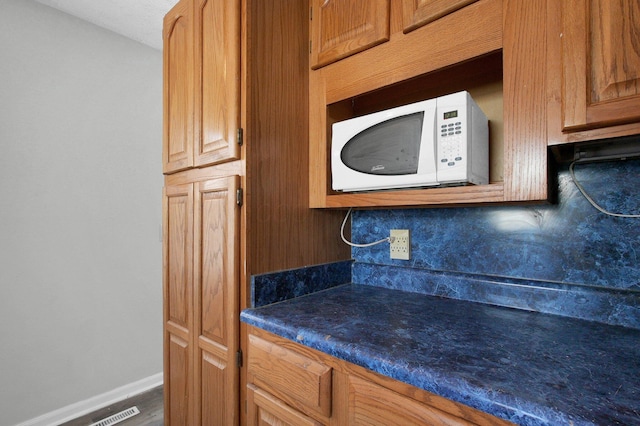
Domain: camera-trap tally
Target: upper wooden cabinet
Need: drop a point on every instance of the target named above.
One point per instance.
(416, 13)
(495, 49)
(340, 28)
(594, 70)
(201, 84)
(601, 63)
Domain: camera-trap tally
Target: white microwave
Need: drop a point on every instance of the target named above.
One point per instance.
(441, 141)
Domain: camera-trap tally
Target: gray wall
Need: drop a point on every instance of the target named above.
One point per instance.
(80, 211)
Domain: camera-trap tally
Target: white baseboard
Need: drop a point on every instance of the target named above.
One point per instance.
(97, 402)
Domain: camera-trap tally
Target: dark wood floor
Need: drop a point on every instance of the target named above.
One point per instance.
(149, 403)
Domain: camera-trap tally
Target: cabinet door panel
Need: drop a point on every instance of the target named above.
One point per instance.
(416, 13)
(217, 91)
(601, 63)
(177, 295)
(216, 299)
(178, 88)
(340, 28)
(214, 287)
(178, 253)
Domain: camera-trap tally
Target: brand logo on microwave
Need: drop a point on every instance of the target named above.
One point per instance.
(377, 168)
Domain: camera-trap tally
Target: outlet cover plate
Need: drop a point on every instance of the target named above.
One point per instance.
(400, 247)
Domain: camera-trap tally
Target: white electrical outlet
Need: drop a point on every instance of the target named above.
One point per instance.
(400, 246)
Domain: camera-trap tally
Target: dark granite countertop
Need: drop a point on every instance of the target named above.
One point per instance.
(526, 367)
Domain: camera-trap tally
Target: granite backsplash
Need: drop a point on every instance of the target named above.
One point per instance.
(565, 258)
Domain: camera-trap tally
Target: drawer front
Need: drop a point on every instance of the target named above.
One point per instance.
(291, 376)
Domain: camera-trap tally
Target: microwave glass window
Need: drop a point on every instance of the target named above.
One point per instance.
(388, 148)
(451, 114)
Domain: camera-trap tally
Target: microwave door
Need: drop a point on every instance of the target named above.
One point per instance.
(385, 150)
(389, 148)
(386, 155)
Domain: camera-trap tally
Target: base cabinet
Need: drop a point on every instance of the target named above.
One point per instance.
(290, 384)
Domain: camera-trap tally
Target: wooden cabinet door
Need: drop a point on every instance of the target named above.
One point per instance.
(217, 81)
(416, 13)
(601, 63)
(264, 409)
(340, 28)
(370, 404)
(201, 302)
(178, 303)
(216, 301)
(177, 151)
(201, 84)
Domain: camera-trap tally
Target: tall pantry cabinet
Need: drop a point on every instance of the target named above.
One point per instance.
(201, 215)
(236, 165)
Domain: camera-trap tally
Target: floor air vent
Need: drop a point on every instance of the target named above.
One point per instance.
(118, 417)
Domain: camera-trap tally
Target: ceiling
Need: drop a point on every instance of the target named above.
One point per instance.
(140, 20)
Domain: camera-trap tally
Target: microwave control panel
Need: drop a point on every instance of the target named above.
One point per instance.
(452, 143)
(462, 134)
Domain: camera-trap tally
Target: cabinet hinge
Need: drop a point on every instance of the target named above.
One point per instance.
(239, 358)
(311, 14)
(240, 136)
(239, 197)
